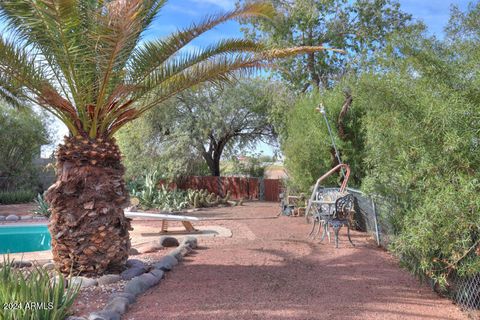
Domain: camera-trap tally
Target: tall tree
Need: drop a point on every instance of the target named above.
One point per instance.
(21, 135)
(360, 27)
(211, 120)
(84, 61)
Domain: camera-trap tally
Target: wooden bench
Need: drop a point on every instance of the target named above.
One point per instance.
(185, 220)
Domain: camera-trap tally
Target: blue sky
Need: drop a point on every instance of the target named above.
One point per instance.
(434, 13)
(181, 13)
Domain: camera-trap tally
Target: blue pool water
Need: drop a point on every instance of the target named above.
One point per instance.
(26, 238)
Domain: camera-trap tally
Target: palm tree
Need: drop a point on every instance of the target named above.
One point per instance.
(85, 62)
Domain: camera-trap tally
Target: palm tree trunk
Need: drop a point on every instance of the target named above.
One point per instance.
(88, 227)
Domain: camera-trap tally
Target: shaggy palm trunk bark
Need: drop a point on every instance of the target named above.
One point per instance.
(88, 227)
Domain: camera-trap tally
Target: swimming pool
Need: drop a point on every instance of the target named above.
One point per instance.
(24, 238)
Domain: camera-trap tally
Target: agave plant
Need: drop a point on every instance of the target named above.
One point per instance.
(85, 62)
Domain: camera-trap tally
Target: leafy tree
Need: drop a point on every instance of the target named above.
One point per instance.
(307, 144)
(207, 123)
(417, 122)
(22, 133)
(84, 61)
(360, 27)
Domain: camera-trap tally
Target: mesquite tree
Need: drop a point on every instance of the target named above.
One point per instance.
(84, 61)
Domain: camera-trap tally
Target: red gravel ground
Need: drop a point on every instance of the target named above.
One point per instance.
(269, 270)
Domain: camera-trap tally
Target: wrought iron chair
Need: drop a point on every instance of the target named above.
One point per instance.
(330, 207)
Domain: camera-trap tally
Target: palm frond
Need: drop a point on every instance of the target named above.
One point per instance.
(151, 55)
(81, 59)
(182, 61)
(173, 77)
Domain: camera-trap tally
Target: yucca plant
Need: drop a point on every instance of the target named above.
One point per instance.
(85, 62)
(33, 294)
(43, 209)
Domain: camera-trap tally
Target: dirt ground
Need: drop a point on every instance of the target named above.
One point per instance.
(269, 270)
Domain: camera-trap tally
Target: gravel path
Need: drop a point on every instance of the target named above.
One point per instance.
(268, 270)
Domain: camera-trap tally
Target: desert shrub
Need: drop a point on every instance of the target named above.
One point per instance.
(18, 196)
(422, 151)
(33, 294)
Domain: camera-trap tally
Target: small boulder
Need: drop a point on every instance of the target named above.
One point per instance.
(190, 241)
(104, 315)
(135, 263)
(27, 217)
(84, 282)
(133, 252)
(149, 279)
(75, 318)
(166, 263)
(166, 241)
(12, 217)
(149, 247)
(177, 254)
(2, 218)
(21, 264)
(129, 296)
(49, 266)
(136, 286)
(132, 272)
(108, 279)
(118, 305)
(157, 273)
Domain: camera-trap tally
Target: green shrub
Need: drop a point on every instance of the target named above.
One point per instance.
(307, 145)
(18, 196)
(33, 295)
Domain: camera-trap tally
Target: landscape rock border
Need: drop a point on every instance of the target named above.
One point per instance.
(119, 302)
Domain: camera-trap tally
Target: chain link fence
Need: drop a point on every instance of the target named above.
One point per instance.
(375, 215)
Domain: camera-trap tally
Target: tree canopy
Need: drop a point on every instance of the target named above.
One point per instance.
(208, 123)
(21, 135)
(360, 27)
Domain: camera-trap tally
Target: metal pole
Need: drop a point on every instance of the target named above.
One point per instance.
(376, 223)
(321, 109)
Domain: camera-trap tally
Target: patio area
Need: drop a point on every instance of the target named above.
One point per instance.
(269, 270)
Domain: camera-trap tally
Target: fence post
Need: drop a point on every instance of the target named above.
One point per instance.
(220, 186)
(261, 182)
(376, 222)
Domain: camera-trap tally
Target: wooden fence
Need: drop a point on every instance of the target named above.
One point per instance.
(239, 187)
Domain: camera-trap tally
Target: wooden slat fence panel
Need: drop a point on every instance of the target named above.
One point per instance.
(239, 187)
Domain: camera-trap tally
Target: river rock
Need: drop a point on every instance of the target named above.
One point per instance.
(136, 286)
(49, 266)
(166, 263)
(132, 272)
(21, 264)
(12, 217)
(2, 218)
(108, 279)
(149, 247)
(104, 315)
(129, 296)
(118, 305)
(191, 241)
(149, 279)
(28, 217)
(135, 263)
(84, 282)
(133, 252)
(167, 241)
(157, 273)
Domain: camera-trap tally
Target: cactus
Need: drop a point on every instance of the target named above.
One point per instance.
(196, 200)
